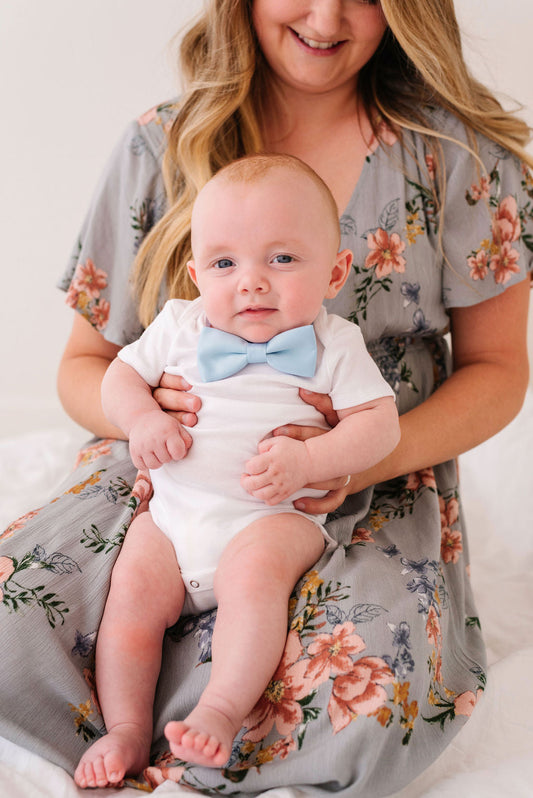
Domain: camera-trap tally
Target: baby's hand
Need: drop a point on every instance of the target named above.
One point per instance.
(157, 438)
(279, 470)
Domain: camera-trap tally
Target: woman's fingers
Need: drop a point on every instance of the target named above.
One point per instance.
(174, 382)
(327, 504)
(297, 432)
(322, 403)
(330, 484)
(172, 395)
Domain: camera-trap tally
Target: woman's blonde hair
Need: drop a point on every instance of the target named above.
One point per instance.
(419, 63)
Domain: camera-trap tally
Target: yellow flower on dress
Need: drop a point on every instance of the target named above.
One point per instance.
(413, 228)
(377, 520)
(401, 692)
(84, 711)
(383, 715)
(92, 480)
(311, 584)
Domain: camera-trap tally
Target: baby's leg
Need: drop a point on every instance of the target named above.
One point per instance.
(146, 597)
(253, 583)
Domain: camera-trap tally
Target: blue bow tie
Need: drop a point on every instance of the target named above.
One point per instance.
(221, 354)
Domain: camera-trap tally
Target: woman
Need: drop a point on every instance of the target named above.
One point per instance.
(384, 659)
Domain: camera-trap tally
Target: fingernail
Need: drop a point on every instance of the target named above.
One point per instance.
(299, 505)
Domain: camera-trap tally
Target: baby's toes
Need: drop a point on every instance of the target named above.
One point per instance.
(99, 775)
(211, 747)
(199, 740)
(113, 768)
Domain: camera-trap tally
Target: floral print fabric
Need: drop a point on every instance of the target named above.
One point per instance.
(384, 658)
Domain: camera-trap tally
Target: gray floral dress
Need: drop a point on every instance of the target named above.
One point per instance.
(384, 659)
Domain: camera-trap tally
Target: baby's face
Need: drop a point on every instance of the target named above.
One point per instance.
(265, 254)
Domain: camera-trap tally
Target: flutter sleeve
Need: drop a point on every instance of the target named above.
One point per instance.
(486, 223)
(128, 200)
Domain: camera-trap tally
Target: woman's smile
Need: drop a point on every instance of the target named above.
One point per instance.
(322, 47)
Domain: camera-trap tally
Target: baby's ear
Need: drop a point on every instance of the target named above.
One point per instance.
(340, 272)
(192, 271)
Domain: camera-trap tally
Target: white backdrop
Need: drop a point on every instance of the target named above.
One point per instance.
(73, 74)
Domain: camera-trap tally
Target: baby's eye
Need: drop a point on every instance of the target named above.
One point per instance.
(283, 259)
(223, 263)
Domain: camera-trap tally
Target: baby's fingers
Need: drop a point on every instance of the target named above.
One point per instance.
(147, 461)
(254, 482)
(178, 445)
(266, 493)
(266, 445)
(257, 464)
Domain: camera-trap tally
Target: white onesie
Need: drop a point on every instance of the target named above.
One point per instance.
(198, 502)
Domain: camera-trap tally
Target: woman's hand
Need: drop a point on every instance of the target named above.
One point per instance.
(337, 488)
(172, 396)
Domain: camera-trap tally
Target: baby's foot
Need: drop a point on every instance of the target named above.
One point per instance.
(205, 737)
(123, 750)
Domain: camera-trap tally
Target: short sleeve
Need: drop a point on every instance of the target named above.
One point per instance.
(128, 200)
(487, 222)
(354, 376)
(148, 355)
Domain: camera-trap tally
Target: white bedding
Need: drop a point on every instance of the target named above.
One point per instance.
(493, 755)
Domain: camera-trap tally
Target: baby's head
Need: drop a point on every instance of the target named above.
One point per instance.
(265, 239)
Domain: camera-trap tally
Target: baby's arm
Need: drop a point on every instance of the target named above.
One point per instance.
(364, 435)
(155, 437)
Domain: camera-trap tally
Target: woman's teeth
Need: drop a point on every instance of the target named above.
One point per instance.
(318, 45)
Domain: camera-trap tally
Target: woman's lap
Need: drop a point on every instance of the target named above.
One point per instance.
(383, 657)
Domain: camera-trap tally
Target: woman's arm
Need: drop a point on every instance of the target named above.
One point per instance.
(484, 393)
(84, 362)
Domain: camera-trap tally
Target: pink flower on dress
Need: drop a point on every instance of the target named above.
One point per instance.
(482, 191)
(506, 222)
(360, 692)
(100, 314)
(433, 629)
(430, 163)
(142, 491)
(89, 280)
(283, 748)
(451, 545)
(279, 703)
(465, 702)
(148, 116)
(19, 523)
(504, 263)
(73, 296)
(449, 512)
(155, 775)
(362, 535)
(90, 454)
(479, 265)
(6, 570)
(423, 478)
(332, 653)
(385, 253)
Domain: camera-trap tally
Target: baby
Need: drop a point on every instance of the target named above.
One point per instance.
(223, 530)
